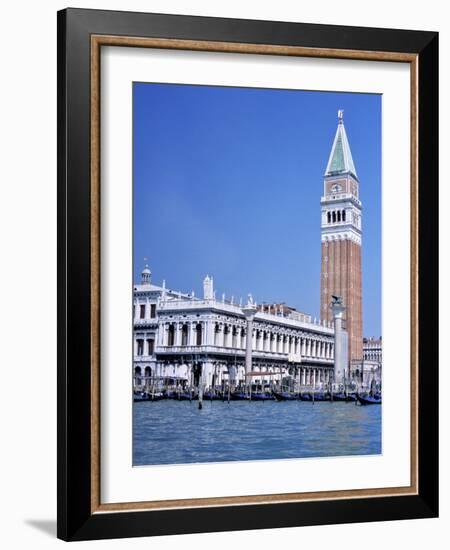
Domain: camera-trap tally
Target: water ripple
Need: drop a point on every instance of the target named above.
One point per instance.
(168, 432)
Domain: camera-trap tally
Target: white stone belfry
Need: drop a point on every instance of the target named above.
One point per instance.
(208, 288)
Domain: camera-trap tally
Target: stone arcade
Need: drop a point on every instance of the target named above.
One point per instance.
(181, 337)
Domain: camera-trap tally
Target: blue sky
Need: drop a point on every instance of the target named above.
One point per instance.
(227, 181)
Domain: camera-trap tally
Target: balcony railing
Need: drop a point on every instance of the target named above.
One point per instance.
(188, 305)
(238, 352)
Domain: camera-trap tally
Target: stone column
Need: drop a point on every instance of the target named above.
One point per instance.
(249, 311)
(177, 336)
(209, 337)
(192, 333)
(165, 334)
(222, 344)
(339, 354)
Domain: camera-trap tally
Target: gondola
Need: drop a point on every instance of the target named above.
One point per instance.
(262, 397)
(239, 396)
(285, 396)
(339, 396)
(320, 396)
(342, 396)
(139, 396)
(184, 396)
(210, 396)
(155, 396)
(369, 399)
(170, 394)
(305, 396)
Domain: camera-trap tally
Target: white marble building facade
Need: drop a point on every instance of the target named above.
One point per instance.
(373, 350)
(187, 340)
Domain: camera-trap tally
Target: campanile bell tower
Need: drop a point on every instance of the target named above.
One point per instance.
(341, 236)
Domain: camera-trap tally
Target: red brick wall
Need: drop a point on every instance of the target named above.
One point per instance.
(341, 275)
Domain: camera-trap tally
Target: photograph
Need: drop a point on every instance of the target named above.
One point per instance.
(257, 293)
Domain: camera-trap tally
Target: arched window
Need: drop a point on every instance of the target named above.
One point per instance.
(137, 375)
(184, 335)
(334, 216)
(199, 334)
(343, 215)
(150, 346)
(148, 372)
(140, 346)
(171, 339)
(329, 217)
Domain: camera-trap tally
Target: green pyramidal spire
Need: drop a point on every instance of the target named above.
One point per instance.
(341, 160)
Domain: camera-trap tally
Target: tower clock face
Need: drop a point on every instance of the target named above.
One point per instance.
(336, 188)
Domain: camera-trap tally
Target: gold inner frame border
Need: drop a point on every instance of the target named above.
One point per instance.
(97, 41)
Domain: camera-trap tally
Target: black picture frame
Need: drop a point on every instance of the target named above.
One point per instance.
(75, 518)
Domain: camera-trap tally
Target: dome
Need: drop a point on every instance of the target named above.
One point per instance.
(146, 275)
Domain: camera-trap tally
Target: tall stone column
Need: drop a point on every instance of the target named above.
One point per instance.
(338, 310)
(249, 311)
(191, 334)
(177, 336)
(210, 327)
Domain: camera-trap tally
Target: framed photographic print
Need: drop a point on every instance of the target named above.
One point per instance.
(247, 274)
